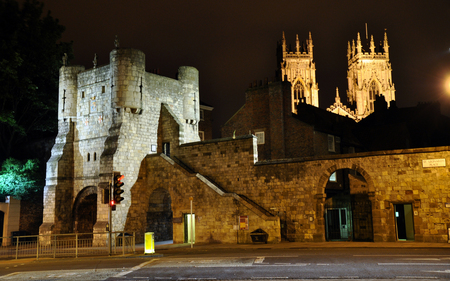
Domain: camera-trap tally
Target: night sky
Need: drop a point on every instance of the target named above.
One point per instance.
(233, 43)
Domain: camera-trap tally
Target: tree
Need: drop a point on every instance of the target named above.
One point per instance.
(20, 179)
(30, 58)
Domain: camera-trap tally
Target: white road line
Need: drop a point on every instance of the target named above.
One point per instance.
(134, 268)
(259, 260)
(293, 264)
(204, 278)
(269, 278)
(413, 263)
(401, 255)
(415, 277)
(9, 275)
(421, 259)
(437, 271)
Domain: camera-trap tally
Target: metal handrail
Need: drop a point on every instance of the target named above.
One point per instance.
(68, 244)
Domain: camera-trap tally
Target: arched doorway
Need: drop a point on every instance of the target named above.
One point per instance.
(159, 215)
(348, 209)
(85, 210)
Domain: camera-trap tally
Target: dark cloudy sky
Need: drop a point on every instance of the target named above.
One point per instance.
(233, 43)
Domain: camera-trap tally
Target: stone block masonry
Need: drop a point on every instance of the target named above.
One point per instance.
(108, 121)
(294, 190)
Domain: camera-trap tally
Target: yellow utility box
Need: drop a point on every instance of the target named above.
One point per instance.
(149, 243)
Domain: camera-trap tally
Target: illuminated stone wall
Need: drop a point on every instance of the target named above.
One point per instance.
(291, 190)
(108, 121)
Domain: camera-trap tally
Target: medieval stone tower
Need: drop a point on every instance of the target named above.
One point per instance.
(369, 75)
(299, 68)
(109, 119)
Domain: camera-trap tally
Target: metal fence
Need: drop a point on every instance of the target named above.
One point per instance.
(67, 245)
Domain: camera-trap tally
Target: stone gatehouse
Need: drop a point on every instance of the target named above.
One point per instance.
(109, 120)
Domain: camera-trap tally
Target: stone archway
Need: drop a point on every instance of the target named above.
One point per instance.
(346, 204)
(159, 215)
(85, 210)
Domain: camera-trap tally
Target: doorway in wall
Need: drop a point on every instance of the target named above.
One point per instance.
(347, 208)
(189, 228)
(159, 215)
(337, 224)
(404, 221)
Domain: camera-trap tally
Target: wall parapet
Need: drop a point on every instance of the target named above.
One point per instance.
(355, 155)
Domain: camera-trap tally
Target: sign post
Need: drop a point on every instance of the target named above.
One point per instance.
(192, 223)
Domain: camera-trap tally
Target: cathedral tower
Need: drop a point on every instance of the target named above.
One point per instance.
(299, 68)
(369, 75)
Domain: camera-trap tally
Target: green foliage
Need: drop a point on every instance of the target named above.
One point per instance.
(20, 179)
(30, 58)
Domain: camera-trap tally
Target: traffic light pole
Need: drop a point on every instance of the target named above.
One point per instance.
(110, 217)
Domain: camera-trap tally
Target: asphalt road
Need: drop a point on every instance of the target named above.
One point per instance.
(245, 264)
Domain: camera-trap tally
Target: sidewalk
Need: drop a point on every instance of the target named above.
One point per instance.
(300, 245)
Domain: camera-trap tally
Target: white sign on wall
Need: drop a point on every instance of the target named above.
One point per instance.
(430, 163)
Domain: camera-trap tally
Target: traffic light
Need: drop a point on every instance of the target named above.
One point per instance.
(112, 204)
(117, 190)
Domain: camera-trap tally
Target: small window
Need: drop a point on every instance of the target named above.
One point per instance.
(95, 156)
(166, 148)
(82, 94)
(201, 134)
(333, 177)
(331, 145)
(260, 138)
(103, 89)
(202, 114)
(89, 157)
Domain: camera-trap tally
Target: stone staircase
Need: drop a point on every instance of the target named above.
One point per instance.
(247, 202)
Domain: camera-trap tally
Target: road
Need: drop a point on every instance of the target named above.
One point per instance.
(203, 263)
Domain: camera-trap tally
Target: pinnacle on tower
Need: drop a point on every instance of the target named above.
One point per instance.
(358, 44)
(372, 45)
(310, 45)
(385, 45)
(337, 98)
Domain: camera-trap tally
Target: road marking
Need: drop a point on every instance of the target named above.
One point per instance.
(415, 277)
(401, 255)
(9, 275)
(204, 278)
(259, 260)
(437, 271)
(269, 278)
(287, 264)
(134, 268)
(413, 263)
(421, 259)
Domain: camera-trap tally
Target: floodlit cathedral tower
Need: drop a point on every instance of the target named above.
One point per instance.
(299, 68)
(369, 75)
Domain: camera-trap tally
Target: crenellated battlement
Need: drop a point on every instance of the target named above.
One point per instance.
(109, 120)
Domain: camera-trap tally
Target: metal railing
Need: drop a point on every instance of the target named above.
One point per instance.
(67, 245)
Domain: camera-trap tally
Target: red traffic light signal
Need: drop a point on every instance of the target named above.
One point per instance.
(112, 204)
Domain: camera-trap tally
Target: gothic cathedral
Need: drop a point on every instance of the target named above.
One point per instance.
(369, 76)
(299, 68)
